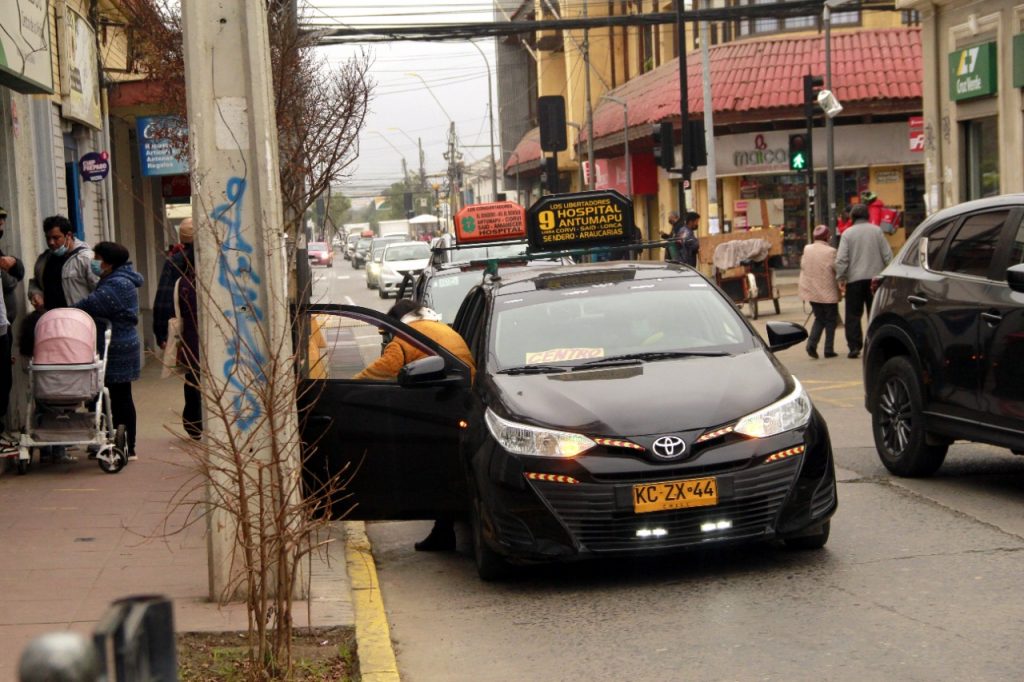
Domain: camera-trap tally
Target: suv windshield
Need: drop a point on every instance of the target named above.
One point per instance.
(647, 320)
(364, 243)
(444, 293)
(418, 251)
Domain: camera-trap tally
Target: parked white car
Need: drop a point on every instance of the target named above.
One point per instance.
(400, 259)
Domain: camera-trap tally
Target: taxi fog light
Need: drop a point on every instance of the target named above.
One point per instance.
(791, 412)
(523, 439)
(651, 532)
(710, 526)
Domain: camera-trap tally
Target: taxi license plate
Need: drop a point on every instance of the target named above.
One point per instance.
(694, 492)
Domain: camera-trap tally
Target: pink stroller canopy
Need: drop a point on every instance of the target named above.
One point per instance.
(65, 336)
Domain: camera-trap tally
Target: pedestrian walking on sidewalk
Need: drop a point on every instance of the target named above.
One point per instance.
(174, 266)
(188, 352)
(116, 299)
(819, 288)
(863, 254)
(11, 272)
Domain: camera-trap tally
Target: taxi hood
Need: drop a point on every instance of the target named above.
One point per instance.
(645, 398)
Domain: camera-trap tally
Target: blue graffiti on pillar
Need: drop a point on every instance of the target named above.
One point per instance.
(235, 274)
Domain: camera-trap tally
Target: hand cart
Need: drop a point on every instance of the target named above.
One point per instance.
(749, 283)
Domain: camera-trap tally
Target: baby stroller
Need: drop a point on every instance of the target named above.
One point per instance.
(67, 402)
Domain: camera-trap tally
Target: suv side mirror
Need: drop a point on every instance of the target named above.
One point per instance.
(428, 371)
(782, 335)
(1015, 277)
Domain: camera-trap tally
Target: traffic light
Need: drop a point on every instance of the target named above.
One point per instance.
(812, 85)
(695, 150)
(798, 160)
(664, 151)
(551, 120)
(550, 174)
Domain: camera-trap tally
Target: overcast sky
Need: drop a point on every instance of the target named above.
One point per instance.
(402, 108)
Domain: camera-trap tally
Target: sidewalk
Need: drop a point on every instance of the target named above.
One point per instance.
(74, 538)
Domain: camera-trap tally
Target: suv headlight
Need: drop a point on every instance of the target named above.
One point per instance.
(791, 412)
(531, 440)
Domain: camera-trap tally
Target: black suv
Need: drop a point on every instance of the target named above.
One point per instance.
(944, 356)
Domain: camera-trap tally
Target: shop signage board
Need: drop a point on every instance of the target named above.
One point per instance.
(1018, 60)
(94, 166)
(579, 220)
(972, 72)
(26, 64)
(79, 73)
(916, 125)
(157, 153)
(491, 222)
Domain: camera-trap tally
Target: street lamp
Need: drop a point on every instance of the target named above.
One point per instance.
(490, 116)
(431, 92)
(625, 140)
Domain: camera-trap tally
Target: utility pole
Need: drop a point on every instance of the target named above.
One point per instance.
(589, 107)
(243, 314)
(684, 106)
(709, 129)
(830, 178)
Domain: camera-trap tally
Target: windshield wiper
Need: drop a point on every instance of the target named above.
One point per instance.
(654, 355)
(533, 369)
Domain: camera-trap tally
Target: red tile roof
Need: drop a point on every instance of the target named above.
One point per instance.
(527, 153)
(763, 77)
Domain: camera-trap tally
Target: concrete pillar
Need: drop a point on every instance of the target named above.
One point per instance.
(243, 311)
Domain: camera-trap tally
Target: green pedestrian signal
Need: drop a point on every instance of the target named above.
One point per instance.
(798, 153)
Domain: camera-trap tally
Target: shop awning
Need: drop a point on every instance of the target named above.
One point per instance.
(526, 157)
(762, 80)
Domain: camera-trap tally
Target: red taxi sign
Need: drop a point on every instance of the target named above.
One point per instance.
(497, 221)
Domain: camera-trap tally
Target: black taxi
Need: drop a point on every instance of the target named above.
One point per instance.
(618, 408)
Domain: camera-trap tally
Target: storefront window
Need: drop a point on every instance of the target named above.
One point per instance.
(981, 157)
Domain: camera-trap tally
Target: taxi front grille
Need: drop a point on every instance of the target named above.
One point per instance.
(601, 523)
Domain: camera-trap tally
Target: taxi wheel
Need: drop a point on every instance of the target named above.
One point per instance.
(490, 566)
(815, 541)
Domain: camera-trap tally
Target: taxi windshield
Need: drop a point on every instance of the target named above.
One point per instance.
(654, 319)
(444, 293)
(418, 251)
(476, 253)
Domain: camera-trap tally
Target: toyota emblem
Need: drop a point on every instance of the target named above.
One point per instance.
(669, 447)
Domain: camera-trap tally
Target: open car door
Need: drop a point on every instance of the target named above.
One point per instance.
(391, 446)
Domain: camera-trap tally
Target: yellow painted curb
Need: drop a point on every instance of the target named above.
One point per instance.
(377, 662)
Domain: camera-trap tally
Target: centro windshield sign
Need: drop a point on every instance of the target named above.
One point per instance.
(582, 219)
(972, 72)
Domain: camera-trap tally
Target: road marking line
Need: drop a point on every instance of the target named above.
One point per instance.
(377, 659)
(344, 276)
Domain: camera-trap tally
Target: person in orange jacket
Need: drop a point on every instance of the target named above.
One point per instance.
(398, 353)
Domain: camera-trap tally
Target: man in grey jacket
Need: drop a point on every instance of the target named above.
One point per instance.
(63, 273)
(863, 254)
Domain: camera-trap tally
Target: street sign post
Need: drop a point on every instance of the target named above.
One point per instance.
(579, 220)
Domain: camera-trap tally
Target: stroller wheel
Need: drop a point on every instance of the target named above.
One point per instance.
(112, 460)
(121, 439)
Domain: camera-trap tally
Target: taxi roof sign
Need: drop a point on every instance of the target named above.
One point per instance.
(493, 222)
(579, 219)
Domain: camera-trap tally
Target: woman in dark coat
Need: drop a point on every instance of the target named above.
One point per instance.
(116, 299)
(188, 352)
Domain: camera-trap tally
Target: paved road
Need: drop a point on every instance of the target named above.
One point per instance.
(920, 581)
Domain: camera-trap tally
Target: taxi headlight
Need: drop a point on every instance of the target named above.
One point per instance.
(374, 268)
(791, 412)
(531, 440)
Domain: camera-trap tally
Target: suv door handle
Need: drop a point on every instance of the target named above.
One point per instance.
(992, 318)
(916, 301)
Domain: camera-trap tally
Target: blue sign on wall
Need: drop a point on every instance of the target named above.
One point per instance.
(94, 166)
(157, 152)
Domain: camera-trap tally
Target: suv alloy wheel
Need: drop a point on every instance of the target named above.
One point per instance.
(898, 424)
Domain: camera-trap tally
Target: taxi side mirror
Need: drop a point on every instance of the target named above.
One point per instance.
(782, 335)
(1015, 277)
(428, 371)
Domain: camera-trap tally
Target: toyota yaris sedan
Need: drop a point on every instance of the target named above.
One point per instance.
(617, 409)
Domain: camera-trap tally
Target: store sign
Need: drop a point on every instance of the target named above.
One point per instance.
(26, 64)
(496, 221)
(916, 133)
(579, 220)
(611, 174)
(761, 156)
(158, 152)
(972, 72)
(79, 67)
(94, 166)
(1018, 60)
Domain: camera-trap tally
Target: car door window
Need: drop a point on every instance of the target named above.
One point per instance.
(936, 238)
(973, 247)
(1017, 247)
(351, 349)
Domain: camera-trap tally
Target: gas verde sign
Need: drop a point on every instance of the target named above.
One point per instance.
(972, 72)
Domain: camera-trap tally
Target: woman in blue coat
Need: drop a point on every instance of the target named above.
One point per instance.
(116, 299)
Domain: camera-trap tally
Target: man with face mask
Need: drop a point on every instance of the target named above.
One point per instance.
(11, 272)
(63, 273)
